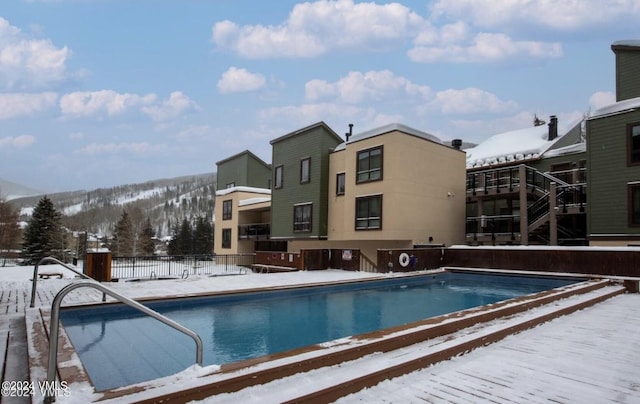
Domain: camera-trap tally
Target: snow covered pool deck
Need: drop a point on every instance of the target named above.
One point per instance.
(371, 358)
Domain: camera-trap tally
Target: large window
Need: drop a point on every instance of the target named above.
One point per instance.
(305, 167)
(634, 205)
(278, 177)
(634, 143)
(226, 238)
(340, 183)
(302, 217)
(226, 210)
(369, 212)
(369, 165)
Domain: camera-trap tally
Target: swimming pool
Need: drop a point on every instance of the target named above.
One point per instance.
(119, 347)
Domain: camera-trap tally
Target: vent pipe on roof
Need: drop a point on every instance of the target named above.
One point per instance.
(553, 127)
(348, 134)
(456, 144)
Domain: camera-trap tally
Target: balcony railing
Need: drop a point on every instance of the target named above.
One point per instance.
(493, 225)
(254, 231)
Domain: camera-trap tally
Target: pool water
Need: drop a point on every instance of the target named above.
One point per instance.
(118, 346)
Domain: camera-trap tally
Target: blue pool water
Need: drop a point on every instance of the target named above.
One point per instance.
(118, 346)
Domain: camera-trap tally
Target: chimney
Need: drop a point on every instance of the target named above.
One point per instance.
(348, 134)
(456, 144)
(553, 127)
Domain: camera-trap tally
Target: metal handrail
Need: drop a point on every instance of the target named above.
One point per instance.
(44, 260)
(55, 319)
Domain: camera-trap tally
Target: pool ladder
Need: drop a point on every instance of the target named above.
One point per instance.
(92, 283)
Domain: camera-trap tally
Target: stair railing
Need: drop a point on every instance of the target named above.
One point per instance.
(55, 320)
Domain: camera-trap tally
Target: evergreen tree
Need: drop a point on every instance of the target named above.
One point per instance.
(203, 236)
(146, 245)
(43, 235)
(9, 230)
(185, 237)
(123, 238)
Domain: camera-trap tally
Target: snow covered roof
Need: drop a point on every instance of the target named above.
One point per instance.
(251, 201)
(227, 191)
(517, 145)
(563, 151)
(619, 107)
(386, 129)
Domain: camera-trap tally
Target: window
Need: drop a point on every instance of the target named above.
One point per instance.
(340, 183)
(302, 217)
(278, 177)
(369, 165)
(305, 167)
(226, 210)
(634, 143)
(634, 205)
(226, 238)
(231, 185)
(369, 212)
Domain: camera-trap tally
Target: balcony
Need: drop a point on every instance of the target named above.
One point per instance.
(254, 231)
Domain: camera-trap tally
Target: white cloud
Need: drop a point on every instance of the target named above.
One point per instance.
(25, 104)
(305, 114)
(601, 99)
(194, 132)
(177, 104)
(357, 87)
(112, 103)
(17, 141)
(566, 15)
(27, 62)
(85, 103)
(469, 101)
(236, 80)
(314, 28)
(117, 148)
(484, 47)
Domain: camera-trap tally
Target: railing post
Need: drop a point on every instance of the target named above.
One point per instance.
(524, 218)
(553, 220)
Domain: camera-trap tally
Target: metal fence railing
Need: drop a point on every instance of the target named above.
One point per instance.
(173, 266)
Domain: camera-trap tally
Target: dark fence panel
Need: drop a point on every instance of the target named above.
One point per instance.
(425, 258)
(281, 259)
(593, 261)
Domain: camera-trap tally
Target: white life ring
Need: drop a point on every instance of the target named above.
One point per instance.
(403, 259)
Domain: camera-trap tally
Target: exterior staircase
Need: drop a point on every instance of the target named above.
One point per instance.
(548, 201)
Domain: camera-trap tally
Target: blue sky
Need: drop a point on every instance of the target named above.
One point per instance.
(97, 93)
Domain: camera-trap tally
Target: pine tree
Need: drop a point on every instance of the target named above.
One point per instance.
(9, 229)
(43, 235)
(123, 239)
(203, 236)
(146, 245)
(185, 237)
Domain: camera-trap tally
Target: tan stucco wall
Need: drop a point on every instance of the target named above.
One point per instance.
(423, 190)
(254, 213)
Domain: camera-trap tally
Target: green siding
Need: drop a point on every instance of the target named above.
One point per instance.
(316, 142)
(627, 77)
(608, 174)
(545, 164)
(243, 169)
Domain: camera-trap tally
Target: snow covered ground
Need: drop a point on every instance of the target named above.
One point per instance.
(589, 356)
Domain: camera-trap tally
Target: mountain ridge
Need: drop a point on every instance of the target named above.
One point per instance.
(165, 201)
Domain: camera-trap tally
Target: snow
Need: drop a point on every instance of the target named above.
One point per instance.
(588, 356)
(518, 145)
(616, 108)
(255, 190)
(252, 201)
(128, 198)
